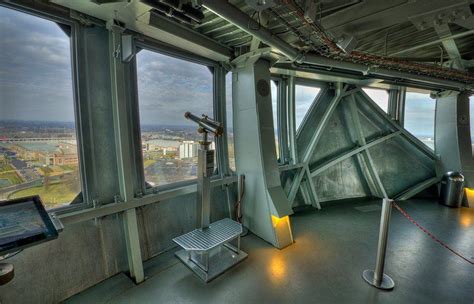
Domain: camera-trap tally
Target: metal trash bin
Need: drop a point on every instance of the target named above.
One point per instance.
(452, 189)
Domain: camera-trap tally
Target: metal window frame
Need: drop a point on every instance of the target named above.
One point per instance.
(219, 107)
(73, 45)
(312, 84)
(380, 89)
(403, 114)
(230, 171)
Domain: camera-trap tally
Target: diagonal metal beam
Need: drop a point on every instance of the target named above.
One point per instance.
(290, 167)
(370, 173)
(312, 188)
(296, 186)
(351, 153)
(417, 188)
(322, 125)
(397, 127)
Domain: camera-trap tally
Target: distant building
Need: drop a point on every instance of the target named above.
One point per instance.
(60, 159)
(157, 145)
(188, 149)
(49, 154)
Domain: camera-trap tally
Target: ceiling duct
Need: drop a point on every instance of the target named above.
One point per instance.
(183, 12)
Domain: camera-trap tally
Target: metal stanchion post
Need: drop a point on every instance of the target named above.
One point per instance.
(377, 278)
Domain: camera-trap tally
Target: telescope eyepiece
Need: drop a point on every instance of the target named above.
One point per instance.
(206, 124)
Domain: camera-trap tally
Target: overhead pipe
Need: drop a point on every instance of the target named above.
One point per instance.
(234, 15)
(366, 70)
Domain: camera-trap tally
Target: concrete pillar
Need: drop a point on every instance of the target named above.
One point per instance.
(453, 137)
(265, 206)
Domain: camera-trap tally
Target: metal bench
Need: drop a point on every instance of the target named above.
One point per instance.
(208, 251)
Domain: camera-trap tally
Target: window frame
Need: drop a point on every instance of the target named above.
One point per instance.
(166, 50)
(231, 171)
(380, 89)
(420, 91)
(73, 45)
(308, 83)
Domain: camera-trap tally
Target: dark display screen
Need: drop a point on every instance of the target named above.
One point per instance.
(24, 222)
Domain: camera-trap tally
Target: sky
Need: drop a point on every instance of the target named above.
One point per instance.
(379, 96)
(35, 69)
(168, 87)
(420, 114)
(304, 97)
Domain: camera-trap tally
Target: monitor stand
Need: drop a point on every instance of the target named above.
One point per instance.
(6, 273)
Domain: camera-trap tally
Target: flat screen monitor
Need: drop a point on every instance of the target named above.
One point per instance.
(24, 222)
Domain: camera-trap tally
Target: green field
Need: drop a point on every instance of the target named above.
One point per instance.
(8, 173)
(56, 195)
(148, 162)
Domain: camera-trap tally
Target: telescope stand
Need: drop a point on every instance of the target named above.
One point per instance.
(208, 251)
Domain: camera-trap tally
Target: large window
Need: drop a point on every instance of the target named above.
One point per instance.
(420, 116)
(38, 148)
(167, 88)
(304, 98)
(230, 120)
(379, 96)
(471, 116)
(274, 93)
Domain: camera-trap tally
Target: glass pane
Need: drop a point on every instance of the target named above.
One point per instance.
(274, 93)
(167, 88)
(304, 97)
(471, 116)
(230, 121)
(38, 149)
(379, 96)
(420, 116)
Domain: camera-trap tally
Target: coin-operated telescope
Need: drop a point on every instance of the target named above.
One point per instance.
(208, 249)
(205, 165)
(206, 124)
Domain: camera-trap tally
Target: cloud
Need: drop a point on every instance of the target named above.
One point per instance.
(35, 65)
(304, 97)
(168, 87)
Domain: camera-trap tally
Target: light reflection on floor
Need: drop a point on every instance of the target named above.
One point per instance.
(466, 219)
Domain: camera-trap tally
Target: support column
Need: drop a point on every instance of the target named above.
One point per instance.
(396, 104)
(453, 137)
(122, 126)
(282, 112)
(265, 206)
(220, 115)
(291, 108)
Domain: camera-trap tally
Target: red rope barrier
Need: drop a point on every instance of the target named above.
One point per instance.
(403, 212)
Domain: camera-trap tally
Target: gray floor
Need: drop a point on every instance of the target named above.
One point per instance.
(332, 248)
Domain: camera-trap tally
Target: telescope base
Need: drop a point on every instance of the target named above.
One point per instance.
(7, 273)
